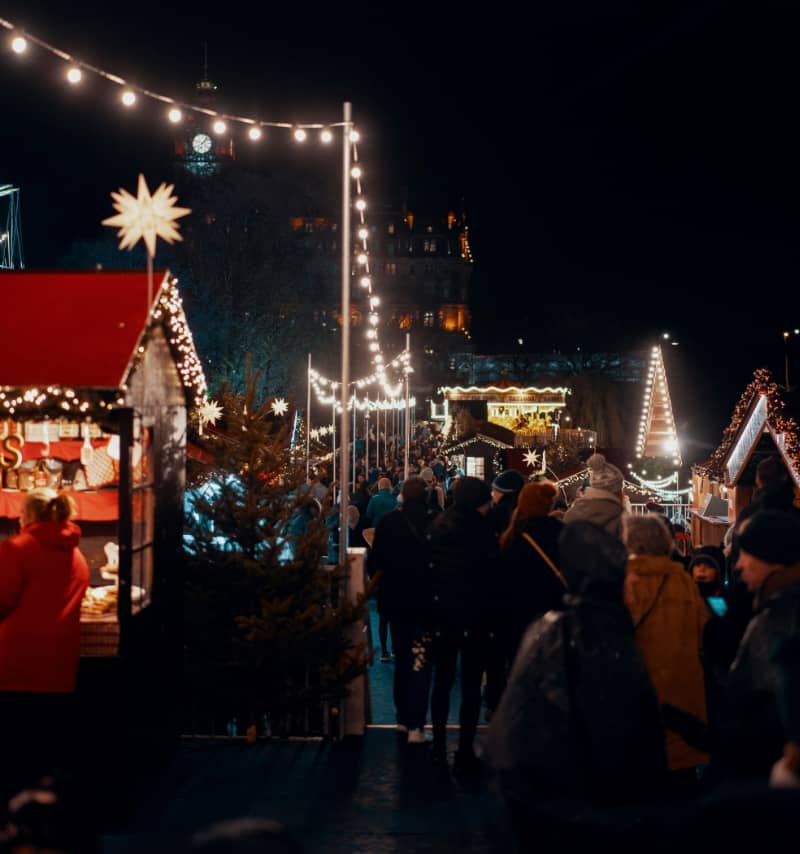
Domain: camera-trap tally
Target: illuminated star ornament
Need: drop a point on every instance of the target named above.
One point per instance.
(279, 406)
(532, 459)
(145, 216)
(210, 413)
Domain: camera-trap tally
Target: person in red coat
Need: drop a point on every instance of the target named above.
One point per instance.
(43, 579)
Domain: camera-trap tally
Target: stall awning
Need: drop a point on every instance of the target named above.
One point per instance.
(71, 329)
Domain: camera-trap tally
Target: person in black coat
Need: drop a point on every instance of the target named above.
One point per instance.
(463, 546)
(529, 577)
(401, 554)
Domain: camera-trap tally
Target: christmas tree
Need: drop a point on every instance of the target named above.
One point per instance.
(266, 633)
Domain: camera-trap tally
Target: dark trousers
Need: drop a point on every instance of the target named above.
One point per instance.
(383, 633)
(497, 666)
(447, 646)
(37, 737)
(412, 673)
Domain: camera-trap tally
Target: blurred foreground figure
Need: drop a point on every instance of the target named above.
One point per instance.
(578, 725)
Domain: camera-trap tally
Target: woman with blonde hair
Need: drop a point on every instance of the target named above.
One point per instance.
(668, 617)
(43, 578)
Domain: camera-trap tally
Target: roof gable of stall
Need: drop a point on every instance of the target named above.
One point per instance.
(762, 409)
(71, 329)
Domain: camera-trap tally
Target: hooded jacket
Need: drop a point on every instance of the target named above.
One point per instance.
(669, 616)
(598, 506)
(43, 578)
(579, 720)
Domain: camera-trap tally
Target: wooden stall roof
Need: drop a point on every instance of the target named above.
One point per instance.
(71, 329)
(764, 407)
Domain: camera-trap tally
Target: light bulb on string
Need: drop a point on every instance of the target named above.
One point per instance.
(365, 281)
(326, 136)
(300, 135)
(361, 258)
(174, 115)
(74, 75)
(128, 98)
(355, 172)
(254, 133)
(361, 205)
(354, 136)
(19, 44)
(363, 233)
(219, 126)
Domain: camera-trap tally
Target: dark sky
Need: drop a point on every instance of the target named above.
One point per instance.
(628, 167)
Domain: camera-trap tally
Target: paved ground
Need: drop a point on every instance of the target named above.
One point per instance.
(372, 795)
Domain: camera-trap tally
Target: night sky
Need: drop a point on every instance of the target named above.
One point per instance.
(628, 168)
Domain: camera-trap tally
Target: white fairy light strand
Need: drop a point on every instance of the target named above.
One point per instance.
(19, 45)
(175, 114)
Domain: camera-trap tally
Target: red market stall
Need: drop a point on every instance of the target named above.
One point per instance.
(96, 403)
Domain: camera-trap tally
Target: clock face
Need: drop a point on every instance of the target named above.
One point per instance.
(201, 143)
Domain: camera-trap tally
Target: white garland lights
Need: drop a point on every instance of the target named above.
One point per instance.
(76, 69)
(657, 407)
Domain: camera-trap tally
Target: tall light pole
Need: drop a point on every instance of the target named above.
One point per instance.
(347, 250)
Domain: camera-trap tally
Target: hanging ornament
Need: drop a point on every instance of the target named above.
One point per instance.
(279, 406)
(532, 459)
(210, 412)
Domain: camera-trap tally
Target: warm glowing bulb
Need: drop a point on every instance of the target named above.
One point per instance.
(361, 205)
(354, 136)
(19, 44)
(128, 98)
(373, 319)
(254, 133)
(326, 136)
(74, 75)
(361, 258)
(365, 282)
(300, 135)
(174, 115)
(220, 126)
(374, 302)
(363, 233)
(356, 172)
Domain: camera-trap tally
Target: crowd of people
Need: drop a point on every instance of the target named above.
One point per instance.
(613, 668)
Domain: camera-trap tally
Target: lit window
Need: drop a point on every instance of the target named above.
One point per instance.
(475, 467)
(431, 246)
(391, 268)
(430, 229)
(390, 229)
(428, 319)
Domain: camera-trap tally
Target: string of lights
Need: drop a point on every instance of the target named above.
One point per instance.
(178, 110)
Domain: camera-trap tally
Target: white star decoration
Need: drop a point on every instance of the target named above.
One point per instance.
(279, 406)
(532, 459)
(145, 216)
(210, 412)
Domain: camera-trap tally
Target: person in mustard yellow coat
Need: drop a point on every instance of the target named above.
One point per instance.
(668, 617)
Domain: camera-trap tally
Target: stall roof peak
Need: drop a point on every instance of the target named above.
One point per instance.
(776, 417)
(84, 330)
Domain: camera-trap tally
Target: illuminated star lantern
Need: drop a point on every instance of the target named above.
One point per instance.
(145, 216)
(279, 406)
(532, 459)
(210, 413)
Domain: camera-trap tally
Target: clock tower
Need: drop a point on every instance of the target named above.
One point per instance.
(198, 149)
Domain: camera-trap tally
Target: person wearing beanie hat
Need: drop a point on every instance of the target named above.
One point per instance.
(706, 573)
(462, 552)
(769, 560)
(601, 501)
(505, 491)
